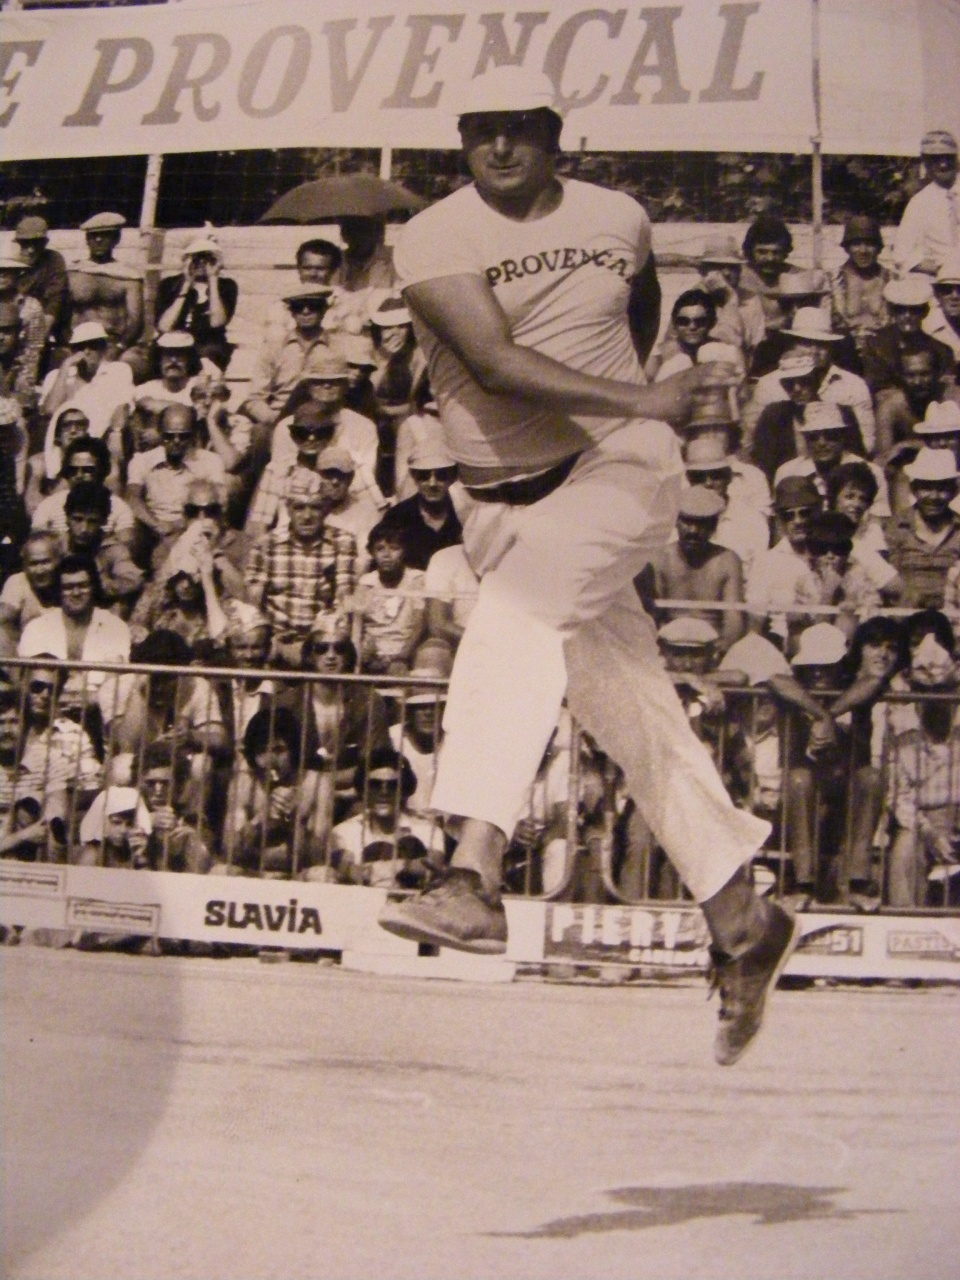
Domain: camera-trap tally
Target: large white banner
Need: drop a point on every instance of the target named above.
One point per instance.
(693, 75)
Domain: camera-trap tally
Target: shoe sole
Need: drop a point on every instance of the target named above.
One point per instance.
(772, 984)
(435, 938)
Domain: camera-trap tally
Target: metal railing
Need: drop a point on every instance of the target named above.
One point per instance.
(315, 789)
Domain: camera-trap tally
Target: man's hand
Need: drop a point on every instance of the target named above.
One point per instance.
(673, 399)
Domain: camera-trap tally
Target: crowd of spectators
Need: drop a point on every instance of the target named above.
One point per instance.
(251, 554)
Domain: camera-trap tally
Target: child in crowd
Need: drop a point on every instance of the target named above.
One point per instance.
(389, 604)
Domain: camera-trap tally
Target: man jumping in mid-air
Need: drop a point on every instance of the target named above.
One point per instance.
(535, 301)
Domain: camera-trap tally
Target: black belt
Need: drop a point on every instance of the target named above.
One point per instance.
(526, 490)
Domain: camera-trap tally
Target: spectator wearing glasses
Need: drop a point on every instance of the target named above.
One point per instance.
(158, 484)
(163, 781)
(943, 319)
(826, 430)
(344, 509)
(101, 387)
(428, 520)
(298, 568)
(316, 264)
(687, 339)
(246, 644)
(280, 367)
(908, 302)
(778, 573)
(386, 843)
(86, 460)
(318, 419)
(185, 598)
(61, 746)
(838, 579)
(811, 334)
(741, 527)
(200, 300)
(345, 721)
(44, 474)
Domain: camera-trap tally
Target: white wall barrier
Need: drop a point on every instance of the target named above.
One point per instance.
(665, 940)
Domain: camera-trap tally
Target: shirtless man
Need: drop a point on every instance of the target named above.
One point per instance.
(697, 568)
(106, 290)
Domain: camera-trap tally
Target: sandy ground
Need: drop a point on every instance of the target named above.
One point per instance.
(199, 1118)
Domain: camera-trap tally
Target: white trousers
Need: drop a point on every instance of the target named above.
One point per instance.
(556, 613)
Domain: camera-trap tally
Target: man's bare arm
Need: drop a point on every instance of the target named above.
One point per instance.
(463, 312)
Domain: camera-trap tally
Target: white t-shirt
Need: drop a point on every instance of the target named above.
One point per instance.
(448, 576)
(563, 282)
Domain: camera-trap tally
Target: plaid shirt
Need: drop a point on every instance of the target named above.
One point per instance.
(925, 774)
(292, 581)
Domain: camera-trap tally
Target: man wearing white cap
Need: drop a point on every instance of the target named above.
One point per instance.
(930, 226)
(908, 302)
(280, 366)
(535, 302)
(200, 300)
(343, 508)
(428, 520)
(925, 542)
(741, 527)
(811, 334)
(44, 274)
(943, 320)
(89, 379)
(101, 288)
(825, 431)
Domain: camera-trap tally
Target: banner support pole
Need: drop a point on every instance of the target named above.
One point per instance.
(817, 139)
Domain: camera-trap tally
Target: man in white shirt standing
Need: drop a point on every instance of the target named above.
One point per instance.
(930, 226)
(535, 301)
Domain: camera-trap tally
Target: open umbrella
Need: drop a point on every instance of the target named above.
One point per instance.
(345, 195)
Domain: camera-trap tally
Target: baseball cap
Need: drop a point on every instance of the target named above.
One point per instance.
(862, 227)
(507, 89)
(938, 142)
(302, 483)
(104, 222)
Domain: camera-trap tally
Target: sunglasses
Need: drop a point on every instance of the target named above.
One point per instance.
(691, 322)
(302, 433)
(435, 473)
(41, 686)
(298, 307)
(383, 784)
(792, 514)
(330, 646)
(193, 509)
(947, 290)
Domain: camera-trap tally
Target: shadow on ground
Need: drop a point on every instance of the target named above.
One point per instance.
(768, 1203)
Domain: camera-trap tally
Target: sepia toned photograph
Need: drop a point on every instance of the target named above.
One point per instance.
(479, 640)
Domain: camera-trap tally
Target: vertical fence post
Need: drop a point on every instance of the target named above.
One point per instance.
(151, 241)
(817, 139)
